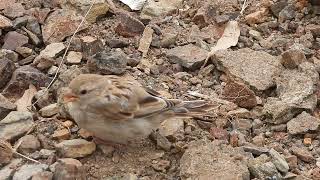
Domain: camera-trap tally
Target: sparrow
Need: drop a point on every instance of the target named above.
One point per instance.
(118, 109)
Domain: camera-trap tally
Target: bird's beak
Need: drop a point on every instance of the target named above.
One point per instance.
(70, 97)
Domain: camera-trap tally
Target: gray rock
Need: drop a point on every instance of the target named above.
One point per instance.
(5, 106)
(26, 171)
(188, 56)
(279, 161)
(11, 55)
(253, 67)
(287, 13)
(29, 144)
(8, 171)
(49, 110)
(15, 124)
(45, 175)
(14, 10)
(33, 37)
(108, 62)
(76, 148)
(161, 141)
(255, 150)
(277, 7)
(303, 123)
(197, 162)
(303, 153)
(261, 167)
(6, 69)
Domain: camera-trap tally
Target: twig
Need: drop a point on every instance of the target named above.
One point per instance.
(64, 55)
(26, 157)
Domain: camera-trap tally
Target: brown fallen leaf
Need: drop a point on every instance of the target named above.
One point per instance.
(229, 38)
(26, 100)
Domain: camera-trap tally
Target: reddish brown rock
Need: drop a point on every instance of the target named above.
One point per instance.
(68, 167)
(90, 46)
(219, 133)
(302, 153)
(239, 94)
(12, 40)
(292, 58)
(39, 14)
(204, 16)
(61, 24)
(21, 79)
(129, 26)
(257, 17)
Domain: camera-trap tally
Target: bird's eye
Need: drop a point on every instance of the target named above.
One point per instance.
(82, 92)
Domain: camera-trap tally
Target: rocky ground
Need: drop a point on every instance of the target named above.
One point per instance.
(264, 82)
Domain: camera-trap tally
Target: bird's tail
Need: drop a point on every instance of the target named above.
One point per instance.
(192, 108)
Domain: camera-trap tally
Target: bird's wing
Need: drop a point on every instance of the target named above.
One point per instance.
(124, 99)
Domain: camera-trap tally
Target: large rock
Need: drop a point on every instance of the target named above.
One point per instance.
(15, 124)
(254, 68)
(14, 10)
(61, 24)
(189, 56)
(8, 171)
(295, 89)
(22, 78)
(6, 69)
(303, 123)
(113, 62)
(12, 40)
(99, 8)
(207, 160)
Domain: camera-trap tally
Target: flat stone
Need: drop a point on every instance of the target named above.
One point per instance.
(302, 153)
(188, 56)
(113, 62)
(60, 24)
(99, 8)
(145, 40)
(26, 171)
(21, 79)
(6, 70)
(15, 124)
(302, 124)
(279, 161)
(255, 150)
(74, 57)
(197, 162)
(29, 144)
(14, 10)
(33, 37)
(159, 8)
(12, 40)
(76, 148)
(255, 68)
(5, 22)
(49, 110)
(53, 50)
(117, 43)
(6, 106)
(24, 51)
(129, 26)
(239, 94)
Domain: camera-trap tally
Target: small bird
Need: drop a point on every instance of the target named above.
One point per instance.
(118, 109)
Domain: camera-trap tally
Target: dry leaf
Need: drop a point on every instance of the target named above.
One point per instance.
(26, 100)
(228, 39)
(6, 152)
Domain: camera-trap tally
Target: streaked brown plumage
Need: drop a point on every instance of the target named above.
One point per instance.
(119, 109)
